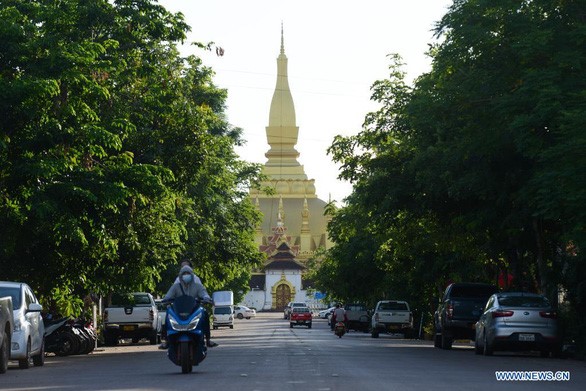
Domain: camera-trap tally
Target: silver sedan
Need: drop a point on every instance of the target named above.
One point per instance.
(517, 321)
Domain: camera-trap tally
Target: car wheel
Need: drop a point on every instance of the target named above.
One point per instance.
(248, 317)
(446, 340)
(374, 333)
(231, 326)
(110, 339)
(290, 325)
(4, 353)
(39, 359)
(437, 341)
(25, 362)
(487, 348)
(556, 351)
(153, 338)
(477, 348)
(240, 316)
(309, 326)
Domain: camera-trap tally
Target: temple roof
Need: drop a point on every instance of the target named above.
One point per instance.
(284, 264)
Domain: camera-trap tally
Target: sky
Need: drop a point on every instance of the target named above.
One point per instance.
(335, 50)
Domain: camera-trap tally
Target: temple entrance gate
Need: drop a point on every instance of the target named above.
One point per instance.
(283, 296)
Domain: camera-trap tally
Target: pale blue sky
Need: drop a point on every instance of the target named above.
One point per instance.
(336, 50)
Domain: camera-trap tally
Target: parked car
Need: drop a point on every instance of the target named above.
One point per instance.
(358, 317)
(324, 313)
(131, 315)
(517, 321)
(458, 311)
(28, 339)
(161, 314)
(290, 305)
(242, 311)
(6, 330)
(392, 316)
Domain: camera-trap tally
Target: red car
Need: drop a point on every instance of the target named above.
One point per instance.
(300, 316)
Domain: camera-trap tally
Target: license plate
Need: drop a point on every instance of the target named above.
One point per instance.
(526, 337)
(128, 328)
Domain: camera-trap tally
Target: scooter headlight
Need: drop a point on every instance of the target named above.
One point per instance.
(185, 327)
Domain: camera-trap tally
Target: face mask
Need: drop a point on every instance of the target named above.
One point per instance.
(187, 278)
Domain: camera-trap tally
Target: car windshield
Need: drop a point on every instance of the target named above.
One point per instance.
(222, 311)
(298, 305)
(130, 299)
(14, 293)
(393, 306)
(355, 307)
(524, 301)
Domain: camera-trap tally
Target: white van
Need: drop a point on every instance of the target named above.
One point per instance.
(223, 316)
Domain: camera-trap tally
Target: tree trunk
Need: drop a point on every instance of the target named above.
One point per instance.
(541, 257)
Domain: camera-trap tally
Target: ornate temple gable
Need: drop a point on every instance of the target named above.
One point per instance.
(279, 242)
(289, 264)
(283, 258)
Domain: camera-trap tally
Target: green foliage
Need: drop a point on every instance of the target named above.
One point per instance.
(476, 170)
(116, 159)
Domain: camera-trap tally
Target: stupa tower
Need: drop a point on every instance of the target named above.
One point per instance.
(282, 132)
(293, 193)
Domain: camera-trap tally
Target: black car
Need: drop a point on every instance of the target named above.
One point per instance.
(458, 311)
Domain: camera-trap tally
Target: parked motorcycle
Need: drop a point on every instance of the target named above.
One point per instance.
(340, 329)
(86, 335)
(66, 336)
(185, 336)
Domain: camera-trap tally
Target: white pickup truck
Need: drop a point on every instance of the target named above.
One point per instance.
(392, 316)
(131, 315)
(6, 327)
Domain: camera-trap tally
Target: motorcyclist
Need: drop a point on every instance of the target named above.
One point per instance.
(339, 315)
(188, 286)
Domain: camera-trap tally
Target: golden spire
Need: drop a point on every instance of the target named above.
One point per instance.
(281, 216)
(305, 216)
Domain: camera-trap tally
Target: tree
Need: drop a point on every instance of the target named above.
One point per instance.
(107, 137)
(477, 169)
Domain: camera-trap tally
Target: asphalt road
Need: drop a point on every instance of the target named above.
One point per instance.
(265, 354)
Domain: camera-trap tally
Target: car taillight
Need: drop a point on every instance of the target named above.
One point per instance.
(450, 311)
(106, 316)
(548, 314)
(502, 314)
(151, 314)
